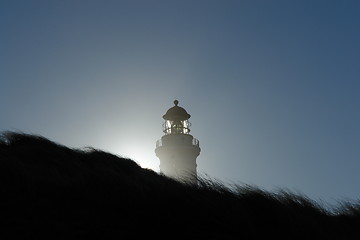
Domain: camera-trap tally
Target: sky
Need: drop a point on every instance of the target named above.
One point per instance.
(272, 87)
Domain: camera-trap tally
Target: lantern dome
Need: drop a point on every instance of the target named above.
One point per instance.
(176, 113)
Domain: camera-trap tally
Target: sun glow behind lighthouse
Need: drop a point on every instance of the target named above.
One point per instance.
(274, 87)
(142, 156)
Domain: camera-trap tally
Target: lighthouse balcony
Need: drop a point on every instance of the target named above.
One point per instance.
(181, 139)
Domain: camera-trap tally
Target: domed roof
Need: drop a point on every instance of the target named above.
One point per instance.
(176, 113)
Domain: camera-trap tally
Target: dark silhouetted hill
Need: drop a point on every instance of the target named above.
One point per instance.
(51, 191)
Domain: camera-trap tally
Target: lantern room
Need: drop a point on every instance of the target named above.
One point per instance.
(176, 120)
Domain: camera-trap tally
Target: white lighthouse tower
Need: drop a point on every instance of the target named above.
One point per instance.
(177, 149)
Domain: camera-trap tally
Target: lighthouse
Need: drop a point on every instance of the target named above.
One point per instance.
(177, 149)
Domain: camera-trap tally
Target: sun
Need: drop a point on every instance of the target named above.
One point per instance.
(145, 157)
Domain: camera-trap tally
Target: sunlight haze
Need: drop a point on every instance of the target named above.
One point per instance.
(272, 87)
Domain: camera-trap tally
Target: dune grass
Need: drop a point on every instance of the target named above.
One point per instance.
(52, 191)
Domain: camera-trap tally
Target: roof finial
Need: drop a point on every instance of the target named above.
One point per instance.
(176, 102)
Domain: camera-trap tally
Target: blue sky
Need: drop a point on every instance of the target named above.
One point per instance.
(272, 86)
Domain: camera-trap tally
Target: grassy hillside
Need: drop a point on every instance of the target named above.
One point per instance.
(52, 191)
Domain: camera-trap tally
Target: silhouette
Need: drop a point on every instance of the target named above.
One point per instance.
(177, 149)
(51, 191)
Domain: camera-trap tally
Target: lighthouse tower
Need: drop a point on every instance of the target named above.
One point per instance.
(177, 149)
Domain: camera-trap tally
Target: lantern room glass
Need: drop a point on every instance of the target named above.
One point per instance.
(176, 127)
